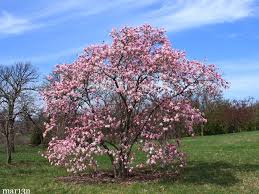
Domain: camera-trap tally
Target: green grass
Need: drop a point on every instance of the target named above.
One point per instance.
(216, 164)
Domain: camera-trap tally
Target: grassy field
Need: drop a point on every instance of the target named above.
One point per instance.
(216, 164)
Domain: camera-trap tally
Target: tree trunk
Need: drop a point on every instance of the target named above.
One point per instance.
(124, 172)
(12, 137)
(120, 170)
(8, 151)
(202, 130)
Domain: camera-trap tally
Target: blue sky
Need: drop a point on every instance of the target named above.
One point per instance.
(224, 32)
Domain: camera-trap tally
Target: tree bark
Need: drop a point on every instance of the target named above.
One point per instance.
(202, 130)
(120, 170)
(10, 125)
(8, 151)
(12, 137)
(124, 172)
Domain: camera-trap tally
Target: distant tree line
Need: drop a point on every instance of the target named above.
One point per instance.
(229, 116)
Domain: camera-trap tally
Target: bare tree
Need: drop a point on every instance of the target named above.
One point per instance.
(15, 82)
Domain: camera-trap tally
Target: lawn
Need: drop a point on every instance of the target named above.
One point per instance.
(216, 164)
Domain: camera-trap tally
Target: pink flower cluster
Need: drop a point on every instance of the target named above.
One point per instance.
(165, 155)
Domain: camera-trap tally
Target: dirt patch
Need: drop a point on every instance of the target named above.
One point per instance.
(107, 177)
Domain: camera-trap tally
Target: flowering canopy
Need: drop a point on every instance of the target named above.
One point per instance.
(135, 91)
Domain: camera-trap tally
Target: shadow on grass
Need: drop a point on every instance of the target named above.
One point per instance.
(217, 173)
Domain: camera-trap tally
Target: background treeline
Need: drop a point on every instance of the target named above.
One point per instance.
(229, 116)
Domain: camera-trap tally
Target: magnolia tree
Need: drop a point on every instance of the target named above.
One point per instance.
(132, 95)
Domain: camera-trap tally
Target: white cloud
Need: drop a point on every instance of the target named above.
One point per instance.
(243, 77)
(172, 15)
(54, 12)
(57, 57)
(184, 14)
(84, 8)
(12, 25)
(243, 86)
(239, 66)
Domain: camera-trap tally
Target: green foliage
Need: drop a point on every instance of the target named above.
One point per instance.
(216, 164)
